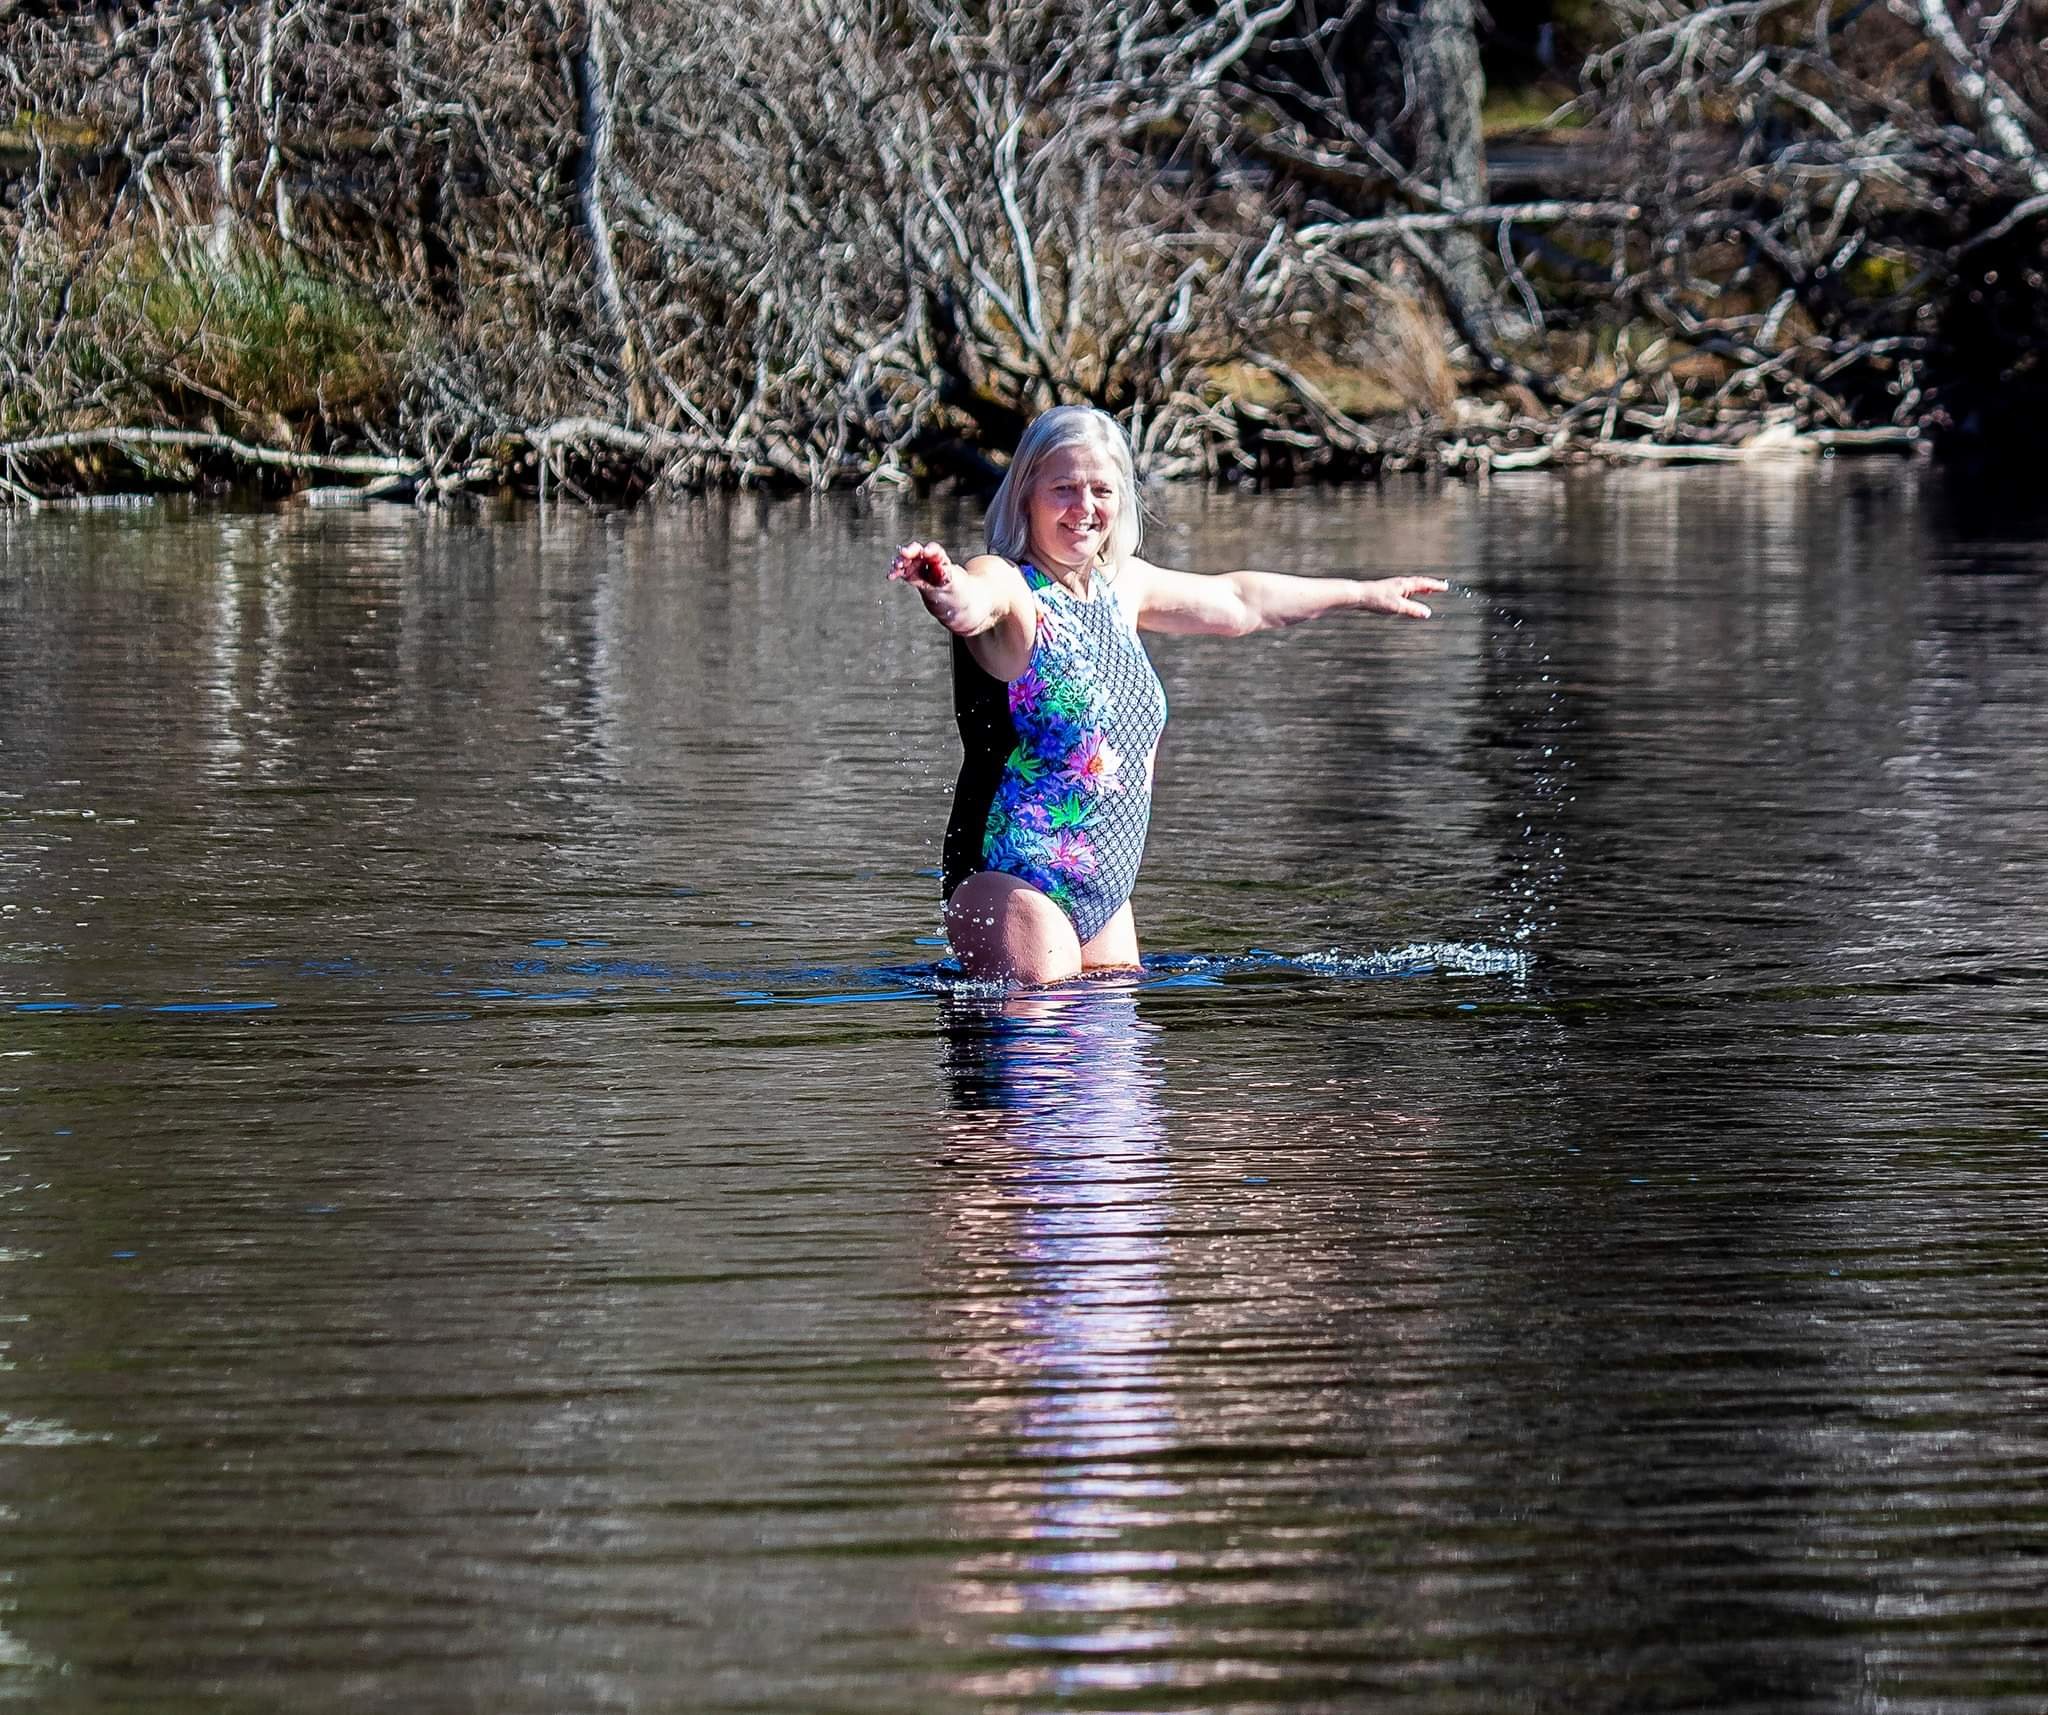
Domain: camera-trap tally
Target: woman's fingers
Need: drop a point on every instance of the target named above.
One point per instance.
(1398, 595)
(920, 563)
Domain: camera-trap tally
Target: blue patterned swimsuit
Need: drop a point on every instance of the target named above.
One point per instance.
(1056, 788)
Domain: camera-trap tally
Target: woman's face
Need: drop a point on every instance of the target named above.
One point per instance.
(1073, 508)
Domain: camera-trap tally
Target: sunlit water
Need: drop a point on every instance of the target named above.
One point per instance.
(502, 1208)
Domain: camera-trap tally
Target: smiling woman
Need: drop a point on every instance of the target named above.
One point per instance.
(1058, 707)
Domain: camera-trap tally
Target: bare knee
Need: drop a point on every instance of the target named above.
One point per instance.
(1004, 930)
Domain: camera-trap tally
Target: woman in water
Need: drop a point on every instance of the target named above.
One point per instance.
(1057, 703)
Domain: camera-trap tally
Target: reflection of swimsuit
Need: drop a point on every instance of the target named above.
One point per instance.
(1056, 788)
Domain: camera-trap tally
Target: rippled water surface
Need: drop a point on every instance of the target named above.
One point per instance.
(501, 1210)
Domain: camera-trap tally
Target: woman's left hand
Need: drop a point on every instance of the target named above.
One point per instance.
(1397, 595)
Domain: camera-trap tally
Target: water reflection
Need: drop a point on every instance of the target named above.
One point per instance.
(1061, 1241)
(520, 1312)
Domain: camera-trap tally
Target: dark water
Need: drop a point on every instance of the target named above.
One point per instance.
(496, 1214)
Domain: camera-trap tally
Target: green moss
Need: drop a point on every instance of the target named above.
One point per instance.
(1529, 107)
(1350, 388)
(30, 132)
(1584, 22)
(1873, 275)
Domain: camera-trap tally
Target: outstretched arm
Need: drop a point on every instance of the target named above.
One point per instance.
(985, 603)
(1236, 604)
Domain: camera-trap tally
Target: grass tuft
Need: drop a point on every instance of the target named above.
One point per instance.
(175, 334)
(268, 336)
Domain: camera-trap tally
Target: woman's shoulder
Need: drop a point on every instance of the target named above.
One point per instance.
(1135, 582)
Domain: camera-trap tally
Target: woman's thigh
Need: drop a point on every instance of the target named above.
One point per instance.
(1115, 945)
(1005, 930)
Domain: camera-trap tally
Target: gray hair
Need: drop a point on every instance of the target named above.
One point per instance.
(1008, 525)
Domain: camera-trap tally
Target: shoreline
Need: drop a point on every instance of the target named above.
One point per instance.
(604, 465)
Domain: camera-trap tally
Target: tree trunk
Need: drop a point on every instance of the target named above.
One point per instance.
(1440, 56)
(220, 242)
(590, 79)
(269, 27)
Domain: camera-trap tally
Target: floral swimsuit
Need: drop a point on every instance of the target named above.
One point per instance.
(1056, 788)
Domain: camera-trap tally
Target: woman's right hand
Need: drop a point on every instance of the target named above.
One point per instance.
(953, 595)
(986, 602)
(924, 566)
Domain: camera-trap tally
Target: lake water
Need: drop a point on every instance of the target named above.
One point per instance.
(500, 1211)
